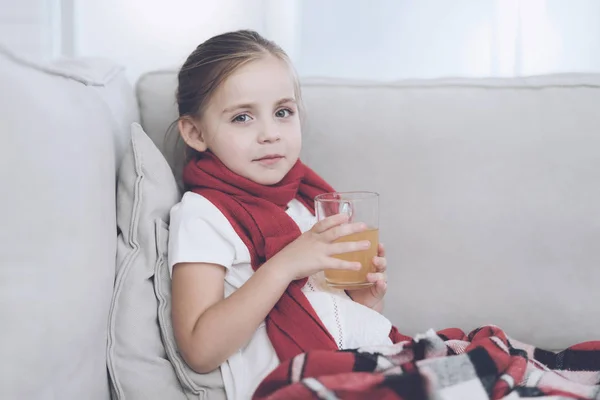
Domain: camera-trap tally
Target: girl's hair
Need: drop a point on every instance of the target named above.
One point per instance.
(212, 62)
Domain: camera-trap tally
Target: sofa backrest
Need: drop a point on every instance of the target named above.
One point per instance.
(64, 127)
(489, 189)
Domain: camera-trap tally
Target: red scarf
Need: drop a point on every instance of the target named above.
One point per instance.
(257, 214)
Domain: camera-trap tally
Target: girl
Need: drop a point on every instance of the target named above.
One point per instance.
(245, 253)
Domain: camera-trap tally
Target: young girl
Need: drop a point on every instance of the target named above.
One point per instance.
(245, 251)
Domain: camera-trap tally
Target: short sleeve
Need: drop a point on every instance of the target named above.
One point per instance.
(200, 233)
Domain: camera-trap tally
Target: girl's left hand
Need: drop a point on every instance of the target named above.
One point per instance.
(372, 296)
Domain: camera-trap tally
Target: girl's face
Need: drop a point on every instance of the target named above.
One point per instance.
(251, 122)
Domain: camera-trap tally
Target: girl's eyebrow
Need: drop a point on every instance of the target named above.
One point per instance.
(238, 106)
(286, 100)
(252, 105)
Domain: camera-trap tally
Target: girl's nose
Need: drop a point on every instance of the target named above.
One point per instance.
(269, 133)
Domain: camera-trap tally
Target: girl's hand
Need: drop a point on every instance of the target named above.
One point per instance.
(372, 296)
(312, 252)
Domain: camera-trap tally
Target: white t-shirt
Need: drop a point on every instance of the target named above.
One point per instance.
(199, 232)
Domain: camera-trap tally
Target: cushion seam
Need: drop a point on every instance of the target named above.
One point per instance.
(126, 266)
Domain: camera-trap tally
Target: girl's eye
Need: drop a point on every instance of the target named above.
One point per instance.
(241, 118)
(283, 113)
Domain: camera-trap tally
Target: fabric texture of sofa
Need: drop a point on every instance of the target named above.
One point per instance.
(489, 208)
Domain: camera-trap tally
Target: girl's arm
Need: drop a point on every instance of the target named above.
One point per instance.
(209, 329)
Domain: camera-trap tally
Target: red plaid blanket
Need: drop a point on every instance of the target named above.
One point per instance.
(486, 364)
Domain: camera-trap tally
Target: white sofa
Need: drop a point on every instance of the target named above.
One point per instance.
(490, 194)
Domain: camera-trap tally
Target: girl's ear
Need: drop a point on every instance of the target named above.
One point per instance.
(191, 133)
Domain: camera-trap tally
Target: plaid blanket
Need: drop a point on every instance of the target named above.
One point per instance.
(486, 364)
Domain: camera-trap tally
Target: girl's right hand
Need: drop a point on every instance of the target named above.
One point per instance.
(312, 252)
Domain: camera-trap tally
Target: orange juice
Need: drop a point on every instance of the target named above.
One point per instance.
(345, 279)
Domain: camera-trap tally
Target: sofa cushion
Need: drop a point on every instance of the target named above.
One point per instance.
(156, 96)
(58, 243)
(139, 365)
(136, 358)
(489, 193)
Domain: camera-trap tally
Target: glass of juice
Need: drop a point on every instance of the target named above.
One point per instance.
(360, 207)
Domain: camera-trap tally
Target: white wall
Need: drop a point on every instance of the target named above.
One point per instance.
(388, 39)
(395, 39)
(375, 39)
(152, 34)
(31, 27)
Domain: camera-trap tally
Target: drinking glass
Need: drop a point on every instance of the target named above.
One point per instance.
(360, 207)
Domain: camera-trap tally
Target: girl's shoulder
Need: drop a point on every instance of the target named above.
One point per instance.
(196, 210)
(192, 203)
(194, 206)
(199, 232)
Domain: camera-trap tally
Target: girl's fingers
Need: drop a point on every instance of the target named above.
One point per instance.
(381, 286)
(376, 277)
(335, 263)
(329, 223)
(378, 289)
(339, 231)
(380, 264)
(348, 247)
(381, 250)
